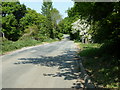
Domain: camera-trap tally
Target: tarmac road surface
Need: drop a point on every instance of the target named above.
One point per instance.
(45, 66)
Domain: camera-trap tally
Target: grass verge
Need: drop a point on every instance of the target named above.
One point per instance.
(7, 46)
(101, 67)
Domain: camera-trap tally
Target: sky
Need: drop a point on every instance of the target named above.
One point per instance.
(62, 6)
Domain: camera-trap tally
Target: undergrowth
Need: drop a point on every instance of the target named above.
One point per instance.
(7, 45)
(101, 66)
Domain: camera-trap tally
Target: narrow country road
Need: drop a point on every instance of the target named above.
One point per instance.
(45, 66)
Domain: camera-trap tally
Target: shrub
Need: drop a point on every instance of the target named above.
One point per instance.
(10, 45)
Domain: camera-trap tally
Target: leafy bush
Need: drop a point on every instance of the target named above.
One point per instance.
(40, 37)
(90, 52)
(7, 45)
(59, 36)
(10, 45)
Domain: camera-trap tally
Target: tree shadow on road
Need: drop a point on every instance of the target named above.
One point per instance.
(66, 63)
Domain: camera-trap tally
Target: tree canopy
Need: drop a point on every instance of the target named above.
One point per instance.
(53, 17)
(17, 20)
(12, 12)
(104, 19)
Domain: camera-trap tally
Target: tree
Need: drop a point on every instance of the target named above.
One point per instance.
(12, 12)
(9, 27)
(53, 17)
(65, 26)
(31, 17)
(46, 11)
(46, 8)
(33, 20)
(104, 20)
(81, 28)
(56, 18)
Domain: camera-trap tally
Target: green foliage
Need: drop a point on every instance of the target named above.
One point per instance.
(9, 27)
(89, 50)
(81, 9)
(53, 17)
(30, 31)
(40, 37)
(56, 17)
(10, 45)
(39, 21)
(59, 36)
(46, 11)
(12, 12)
(103, 74)
(32, 17)
(0, 16)
(65, 24)
(100, 66)
(104, 20)
(19, 22)
(46, 8)
(7, 45)
(17, 9)
(27, 27)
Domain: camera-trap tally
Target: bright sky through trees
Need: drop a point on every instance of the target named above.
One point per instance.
(62, 6)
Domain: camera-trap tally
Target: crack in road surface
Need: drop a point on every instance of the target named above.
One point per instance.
(46, 66)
